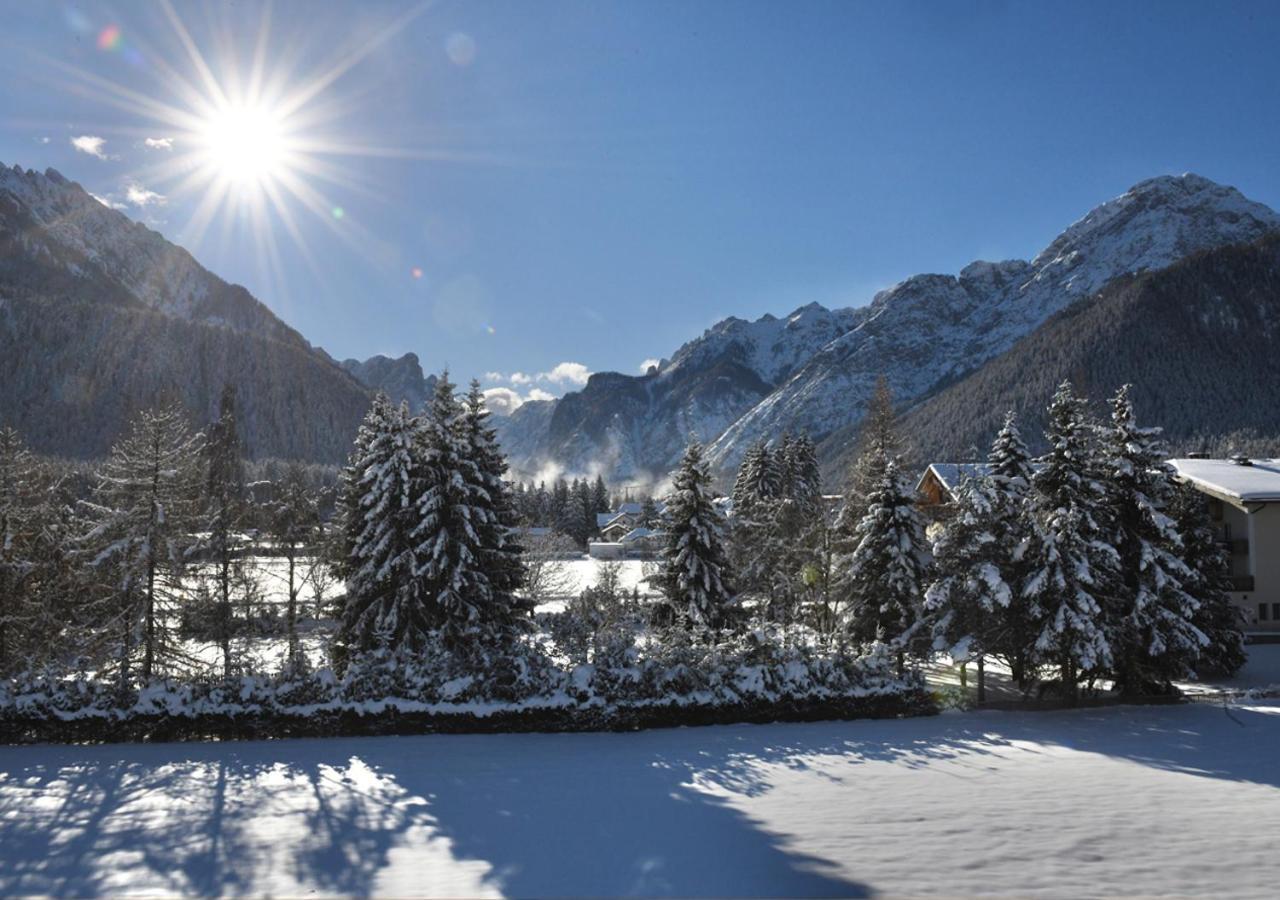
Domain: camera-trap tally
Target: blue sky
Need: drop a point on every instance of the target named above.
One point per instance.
(529, 184)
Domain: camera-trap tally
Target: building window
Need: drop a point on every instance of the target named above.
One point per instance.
(1275, 612)
(1262, 612)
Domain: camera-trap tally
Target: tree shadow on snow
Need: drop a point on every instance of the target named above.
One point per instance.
(560, 815)
(645, 814)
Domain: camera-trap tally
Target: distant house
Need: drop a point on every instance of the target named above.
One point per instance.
(937, 486)
(1244, 504)
(616, 527)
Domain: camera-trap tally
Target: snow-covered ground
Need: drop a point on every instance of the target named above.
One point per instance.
(584, 571)
(1178, 800)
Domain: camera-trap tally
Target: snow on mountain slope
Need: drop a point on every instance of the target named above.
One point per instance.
(931, 329)
(769, 346)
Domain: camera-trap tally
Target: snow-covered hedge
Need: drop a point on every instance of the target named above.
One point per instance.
(741, 679)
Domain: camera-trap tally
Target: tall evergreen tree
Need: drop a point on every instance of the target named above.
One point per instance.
(694, 576)
(1008, 486)
(385, 605)
(758, 480)
(1153, 635)
(969, 600)
(1216, 616)
(137, 536)
(884, 575)
(805, 481)
(1070, 567)
(349, 514)
(453, 515)
(500, 551)
(600, 496)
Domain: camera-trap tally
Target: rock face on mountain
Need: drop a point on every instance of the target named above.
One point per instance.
(1198, 341)
(400, 379)
(933, 329)
(635, 427)
(100, 316)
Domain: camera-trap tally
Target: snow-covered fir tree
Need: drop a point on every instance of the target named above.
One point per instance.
(1008, 485)
(385, 605)
(694, 577)
(453, 513)
(500, 551)
(348, 515)
(884, 577)
(759, 480)
(1153, 635)
(1009, 460)
(805, 483)
(137, 534)
(1208, 581)
(1070, 567)
(968, 600)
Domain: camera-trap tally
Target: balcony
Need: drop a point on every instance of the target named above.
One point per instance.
(1242, 583)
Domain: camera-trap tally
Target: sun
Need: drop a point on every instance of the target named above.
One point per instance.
(244, 145)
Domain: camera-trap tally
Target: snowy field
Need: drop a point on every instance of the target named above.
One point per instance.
(1132, 800)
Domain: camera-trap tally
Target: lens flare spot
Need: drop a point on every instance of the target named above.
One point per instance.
(338, 212)
(491, 329)
(416, 272)
(461, 49)
(109, 38)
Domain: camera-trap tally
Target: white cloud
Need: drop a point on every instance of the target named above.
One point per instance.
(45, 140)
(567, 372)
(159, 143)
(502, 400)
(494, 376)
(648, 364)
(109, 201)
(539, 394)
(91, 144)
(140, 196)
(520, 378)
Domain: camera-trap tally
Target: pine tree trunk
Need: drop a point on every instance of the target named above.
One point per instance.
(149, 653)
(964, 675)
(293, 615)
(982, 679)
(224, 579)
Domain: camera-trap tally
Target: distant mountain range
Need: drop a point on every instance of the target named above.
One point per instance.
(815, 369)
(1172, 285)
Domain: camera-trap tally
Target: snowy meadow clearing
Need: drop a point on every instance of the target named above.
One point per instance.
(1180, 800)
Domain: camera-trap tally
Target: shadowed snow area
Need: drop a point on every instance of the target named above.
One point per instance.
(1132, 800)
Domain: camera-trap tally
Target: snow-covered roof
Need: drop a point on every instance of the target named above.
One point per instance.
(1227, 479)
(603, 519)
(630, 509)
(949, 475)
(636, 534)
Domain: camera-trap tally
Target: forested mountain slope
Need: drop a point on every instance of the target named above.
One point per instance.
(100, 316)
(1199, 341)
